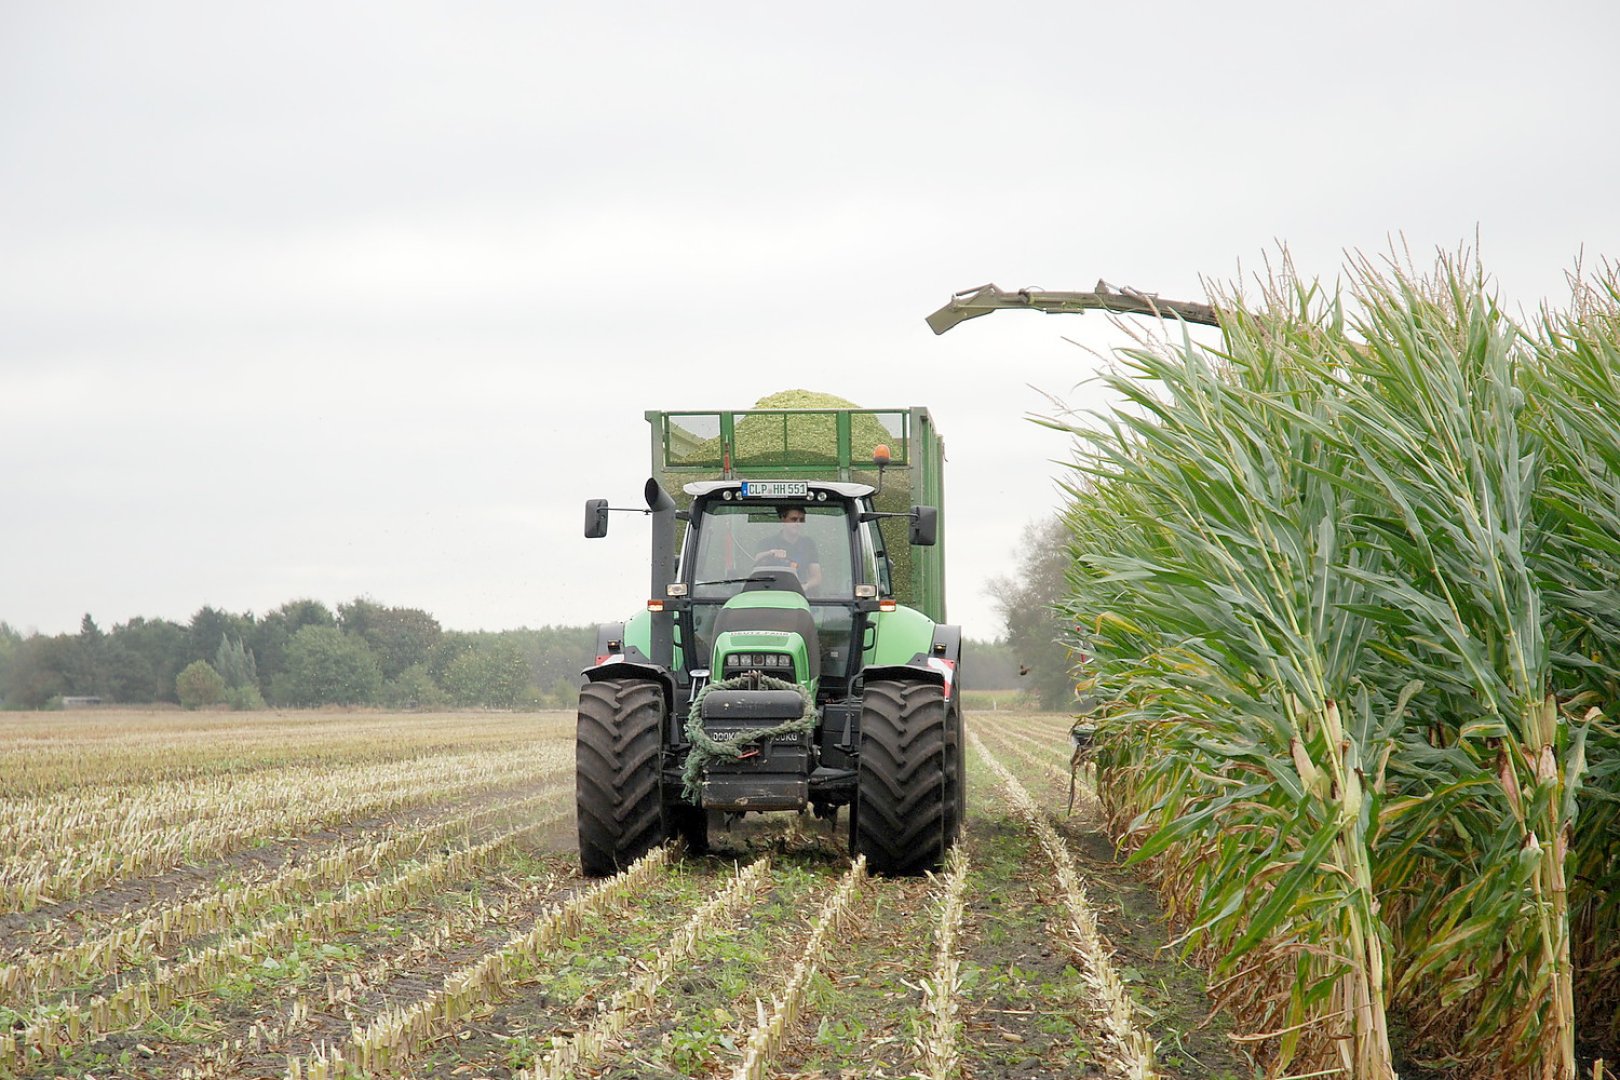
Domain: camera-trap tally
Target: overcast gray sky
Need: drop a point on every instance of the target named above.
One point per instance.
(323, 300)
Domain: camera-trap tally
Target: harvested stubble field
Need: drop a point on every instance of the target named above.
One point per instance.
(329, 894)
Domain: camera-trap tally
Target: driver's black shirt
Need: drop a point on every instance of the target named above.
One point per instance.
(801, 554)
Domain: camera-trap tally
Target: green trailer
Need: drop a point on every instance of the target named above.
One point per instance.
(829, 444)
(794, 652)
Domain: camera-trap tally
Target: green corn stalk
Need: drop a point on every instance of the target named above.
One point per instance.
(1431, 406)
(1574, 391)
(1353, 594)
(1212, 582)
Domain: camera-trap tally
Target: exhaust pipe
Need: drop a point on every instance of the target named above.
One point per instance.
(662, 509)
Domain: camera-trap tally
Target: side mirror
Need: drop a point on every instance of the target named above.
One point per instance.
(924, 526)
(596, 517)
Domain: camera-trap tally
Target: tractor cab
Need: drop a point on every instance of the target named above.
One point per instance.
(774, 667)
(802, 565)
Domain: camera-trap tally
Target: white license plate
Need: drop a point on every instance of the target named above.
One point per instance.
(774, 489)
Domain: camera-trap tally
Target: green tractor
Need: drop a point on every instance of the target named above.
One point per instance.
(774, 668)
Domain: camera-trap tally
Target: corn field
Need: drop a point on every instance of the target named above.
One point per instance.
(341, 895)
(1351, 583)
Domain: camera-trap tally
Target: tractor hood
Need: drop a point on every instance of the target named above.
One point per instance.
(754, 624)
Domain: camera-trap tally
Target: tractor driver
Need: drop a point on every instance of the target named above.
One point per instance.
(792, 549)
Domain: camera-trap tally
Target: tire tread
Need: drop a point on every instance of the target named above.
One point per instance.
(617, 758)
(907, 798)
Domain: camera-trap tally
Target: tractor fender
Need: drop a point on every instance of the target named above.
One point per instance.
(948, 644)
(617, 658)
(941, 664)
(609, 640)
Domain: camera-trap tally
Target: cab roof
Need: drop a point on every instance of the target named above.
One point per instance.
(832, 487)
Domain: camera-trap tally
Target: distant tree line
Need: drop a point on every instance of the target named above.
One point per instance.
(305, 654)
(301, 654)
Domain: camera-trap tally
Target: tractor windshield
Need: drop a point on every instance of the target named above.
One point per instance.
(733, 539)
(736, 538)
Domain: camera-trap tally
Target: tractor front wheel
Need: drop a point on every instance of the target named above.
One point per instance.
(617, 756)
(906, 806)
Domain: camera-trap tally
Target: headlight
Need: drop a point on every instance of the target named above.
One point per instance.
(773, 663)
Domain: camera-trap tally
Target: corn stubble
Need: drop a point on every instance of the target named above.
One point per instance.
(772, 1026)
(1352, 586)
(64, 845)
(1129, 1048)
(570, 1054)
(34, 974)
(939, 1044)
(397, 1034)
(66, 1023)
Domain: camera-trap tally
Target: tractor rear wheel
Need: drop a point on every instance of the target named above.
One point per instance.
(906, 806)
(617, 758)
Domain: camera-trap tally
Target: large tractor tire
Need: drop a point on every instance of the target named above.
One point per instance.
(906, 806)
(617, 757)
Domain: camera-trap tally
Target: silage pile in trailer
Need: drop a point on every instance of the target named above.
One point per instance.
(1351, 583)
(808, 447)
